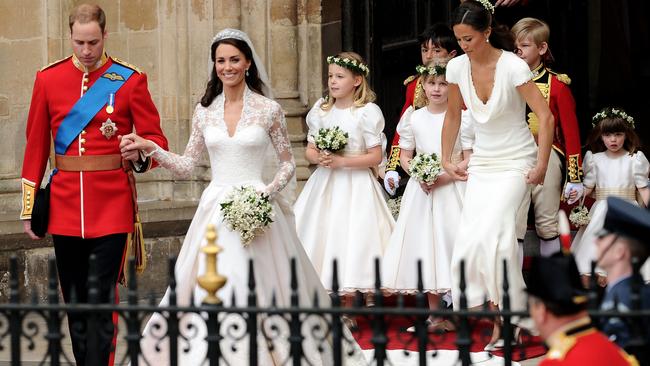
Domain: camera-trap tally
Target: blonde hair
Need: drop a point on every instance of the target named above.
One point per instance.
(363, 94)
(535, 29)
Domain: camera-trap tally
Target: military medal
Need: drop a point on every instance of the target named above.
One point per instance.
(111, 103)
(108, 128)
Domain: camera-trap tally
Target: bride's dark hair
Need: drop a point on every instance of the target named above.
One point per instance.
(474, 14)
(215, 86)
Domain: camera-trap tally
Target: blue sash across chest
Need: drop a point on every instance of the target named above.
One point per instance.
(89, 105)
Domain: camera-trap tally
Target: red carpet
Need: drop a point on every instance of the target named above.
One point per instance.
(400, 339)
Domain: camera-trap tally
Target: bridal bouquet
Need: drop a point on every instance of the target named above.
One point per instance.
(425, 168)
(331, 139)
(248, 212)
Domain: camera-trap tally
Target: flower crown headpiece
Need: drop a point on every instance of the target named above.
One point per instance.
(350, 64)
(612, 113)
(487, 5)
(437, 70)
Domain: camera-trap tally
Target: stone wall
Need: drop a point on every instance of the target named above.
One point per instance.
(169, 40)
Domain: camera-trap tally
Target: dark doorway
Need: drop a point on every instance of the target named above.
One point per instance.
(598, 43)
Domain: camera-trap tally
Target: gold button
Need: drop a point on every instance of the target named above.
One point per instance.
(85, 87)
(82, 150)
(83, 141)
(85, 80)
(83, 132)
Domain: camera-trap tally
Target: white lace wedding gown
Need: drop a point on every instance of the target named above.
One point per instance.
(235, 161)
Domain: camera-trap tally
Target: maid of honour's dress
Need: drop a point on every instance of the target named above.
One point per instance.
(235, 161)
(503, 152)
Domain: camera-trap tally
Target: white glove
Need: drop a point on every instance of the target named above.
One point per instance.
(578, 187)
(391, 177)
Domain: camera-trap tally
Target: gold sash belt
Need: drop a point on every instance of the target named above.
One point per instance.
(624, 193)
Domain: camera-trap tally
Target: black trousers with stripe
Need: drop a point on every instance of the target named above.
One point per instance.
(72, 261)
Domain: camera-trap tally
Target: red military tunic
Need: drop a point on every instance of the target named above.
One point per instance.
(416, 98)
(581, 344)
(566, 137)
(94, 203)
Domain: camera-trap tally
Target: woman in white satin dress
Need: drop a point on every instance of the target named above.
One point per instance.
(494, 85)
(238, 125)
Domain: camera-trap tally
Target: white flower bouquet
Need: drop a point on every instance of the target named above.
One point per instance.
(579, 216)
(425, 168)
(248, 212)
(394, 205)
(331, 139)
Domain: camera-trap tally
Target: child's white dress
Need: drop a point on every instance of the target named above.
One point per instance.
(341, 213)
(619, 177)
(427, 225)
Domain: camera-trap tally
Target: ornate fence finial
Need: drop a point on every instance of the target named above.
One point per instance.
(211, 281)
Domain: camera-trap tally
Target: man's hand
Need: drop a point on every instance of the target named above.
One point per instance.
(391, 182)
(132, 144)
(27, 226)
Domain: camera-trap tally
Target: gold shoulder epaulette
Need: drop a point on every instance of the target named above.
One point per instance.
(409, 79)
(124, 63)
(55, 63)
(561, 347)
(562, 77)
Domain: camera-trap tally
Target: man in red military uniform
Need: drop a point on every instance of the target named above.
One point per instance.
(531, 40)
(84, 102)
(558, 303)
(436, 42)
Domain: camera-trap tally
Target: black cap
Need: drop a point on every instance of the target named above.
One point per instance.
(627, 219)
(556, 280)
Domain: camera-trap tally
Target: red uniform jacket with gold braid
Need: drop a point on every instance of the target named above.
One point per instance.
(586, 347)
(416, 98)
(85, 204)
(566, 137)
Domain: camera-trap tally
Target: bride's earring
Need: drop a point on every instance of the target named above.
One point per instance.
(246, 72)
(487, 40)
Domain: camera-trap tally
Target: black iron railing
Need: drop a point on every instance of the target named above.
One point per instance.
(28, 327)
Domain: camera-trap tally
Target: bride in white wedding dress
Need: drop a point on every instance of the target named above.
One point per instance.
(237, 125)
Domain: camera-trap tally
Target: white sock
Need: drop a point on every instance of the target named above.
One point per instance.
(447, 298)
(549, 247)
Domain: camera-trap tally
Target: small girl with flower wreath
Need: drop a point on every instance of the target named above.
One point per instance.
(430, 213)
(612, 167)
(341, 213)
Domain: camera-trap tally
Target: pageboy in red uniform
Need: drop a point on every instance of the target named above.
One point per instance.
(436, 42)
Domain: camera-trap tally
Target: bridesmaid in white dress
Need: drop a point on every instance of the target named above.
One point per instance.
(613, 167)
(236, 123)
(494, 84)
(429, 215)
(341, 213)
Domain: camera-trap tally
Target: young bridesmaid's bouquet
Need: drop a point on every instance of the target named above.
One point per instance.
(394, 205)
(579, 215)
(425, 168)
(331, 139)
(248, 212)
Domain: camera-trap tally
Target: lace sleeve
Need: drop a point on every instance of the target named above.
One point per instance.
(182, 165)
(282, 145)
